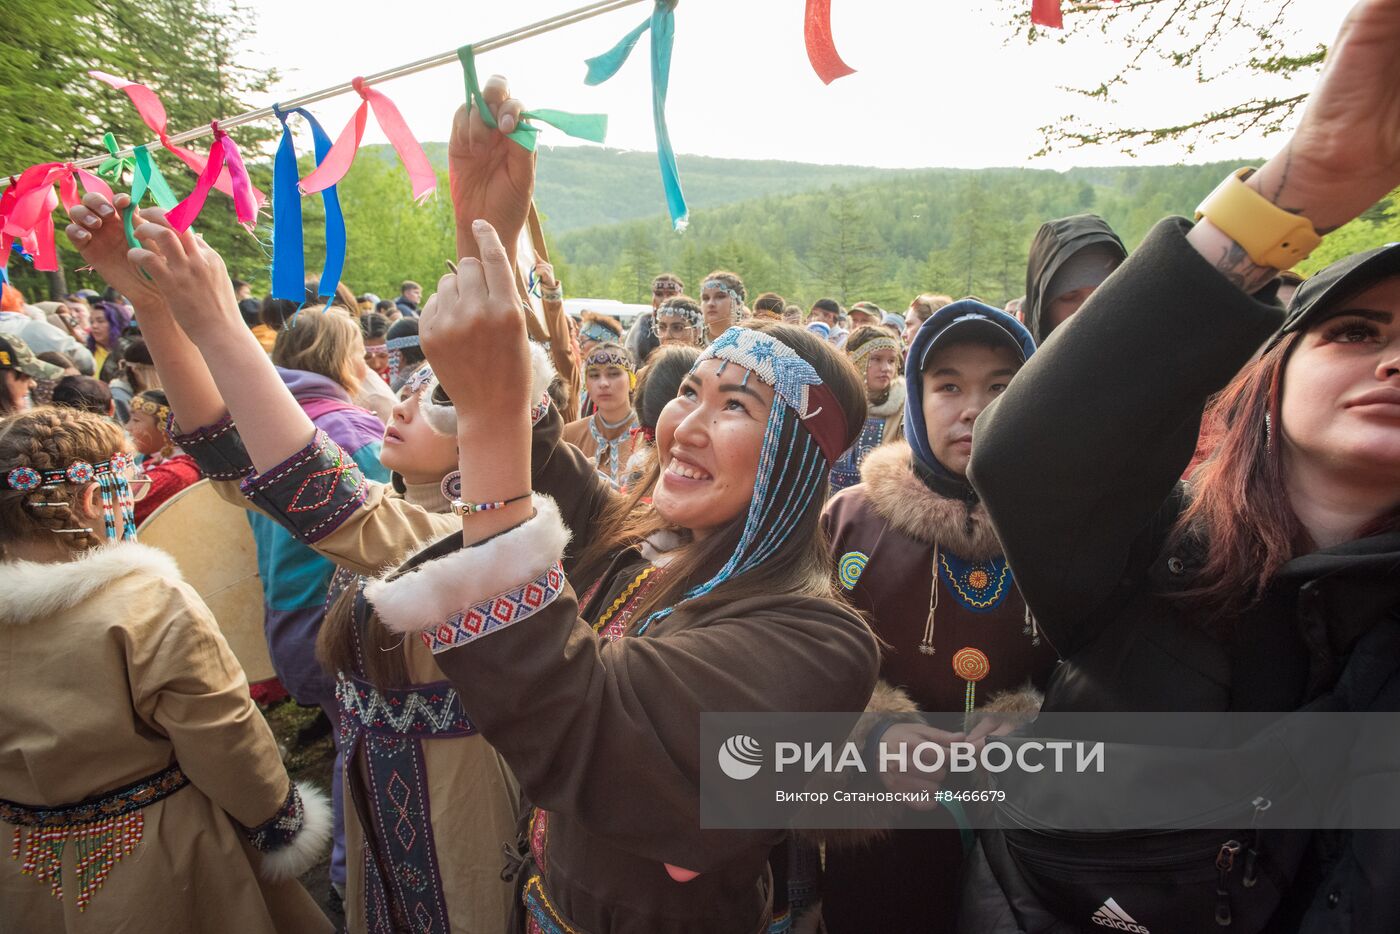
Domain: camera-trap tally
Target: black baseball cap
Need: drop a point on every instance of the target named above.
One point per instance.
(1337, 283)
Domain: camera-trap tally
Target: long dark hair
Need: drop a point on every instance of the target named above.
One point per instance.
(1239, 511)
(801, 566)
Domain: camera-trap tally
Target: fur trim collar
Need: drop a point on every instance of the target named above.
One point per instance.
(892, 404)
(35, 590)
(900, 498)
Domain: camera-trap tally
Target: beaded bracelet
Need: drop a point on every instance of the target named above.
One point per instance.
(460, 508)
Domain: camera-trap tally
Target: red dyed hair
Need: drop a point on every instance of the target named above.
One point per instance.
(1239, 506)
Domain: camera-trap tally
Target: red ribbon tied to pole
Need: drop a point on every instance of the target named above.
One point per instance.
(152, 112)
(821, 47)
(31, 202)
(342, 153)
(1047, 13)
(223, 159)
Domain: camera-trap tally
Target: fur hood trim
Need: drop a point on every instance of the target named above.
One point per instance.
(35, 590)
(430, 594)
(900, 498)
(894, 402)
(443, 418)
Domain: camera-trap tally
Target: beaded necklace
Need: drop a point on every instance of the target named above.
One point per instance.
(612, 445)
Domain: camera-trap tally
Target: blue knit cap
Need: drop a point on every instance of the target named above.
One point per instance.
(964, 314)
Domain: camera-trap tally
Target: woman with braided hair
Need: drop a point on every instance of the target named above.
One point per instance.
(140, 785)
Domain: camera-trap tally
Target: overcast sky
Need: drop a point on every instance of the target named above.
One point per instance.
(936, 83)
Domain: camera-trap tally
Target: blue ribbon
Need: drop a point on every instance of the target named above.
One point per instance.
(662, 25)
(288, 252)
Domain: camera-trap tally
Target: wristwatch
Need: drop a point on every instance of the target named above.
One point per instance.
(1272, 237)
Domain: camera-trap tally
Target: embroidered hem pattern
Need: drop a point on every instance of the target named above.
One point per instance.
(498, 612)
(103, 831)
(217, 449)
(313, 491)
(281, 828)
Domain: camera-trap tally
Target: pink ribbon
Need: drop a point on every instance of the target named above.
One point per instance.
(342, 153)
(29, 214)
(223, 159)
(821, 47)
(152, 112)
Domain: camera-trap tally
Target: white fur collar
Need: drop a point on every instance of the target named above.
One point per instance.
(893, 403)
(34, 590)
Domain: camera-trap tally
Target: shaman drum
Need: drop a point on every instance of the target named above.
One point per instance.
(212, 543)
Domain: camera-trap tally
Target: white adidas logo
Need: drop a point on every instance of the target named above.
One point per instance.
(1112, 915)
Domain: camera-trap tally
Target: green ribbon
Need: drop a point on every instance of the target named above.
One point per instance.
(114, 167)
(146, 180)
(592, 127)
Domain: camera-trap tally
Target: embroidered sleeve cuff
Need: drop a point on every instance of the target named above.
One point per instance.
(478, 590)
(217, 449)
(293, 839)
(312, 492)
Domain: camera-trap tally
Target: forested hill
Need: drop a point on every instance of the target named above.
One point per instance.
(878, 236)
(587, 186)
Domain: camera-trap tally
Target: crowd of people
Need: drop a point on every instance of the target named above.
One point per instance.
(513, 556)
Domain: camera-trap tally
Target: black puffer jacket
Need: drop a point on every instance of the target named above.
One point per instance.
(1055, 242)
(1078, 465)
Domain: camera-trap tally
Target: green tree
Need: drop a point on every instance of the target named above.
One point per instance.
(846, 254)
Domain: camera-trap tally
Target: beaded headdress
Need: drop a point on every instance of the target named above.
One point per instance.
(861, 355)
(110, 476)
(805, 435)
(394, 346)
(683, 310)
(161, 413)
(610, 356)
(726, 287)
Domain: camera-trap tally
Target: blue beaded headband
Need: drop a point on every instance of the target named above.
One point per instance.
(792, 456)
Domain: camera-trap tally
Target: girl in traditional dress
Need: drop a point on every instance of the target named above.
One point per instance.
(605, 437)
(418, 857)
(142, 788)
(167, 468)
(722, 302)
(679, 321)
(877, 355)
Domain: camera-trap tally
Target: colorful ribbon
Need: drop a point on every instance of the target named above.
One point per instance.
(662, 25)
(592, 127)
(152, 112)
(146, 179)
(30, 214)
(114, 166)
(821, 47)
(288, 258)
(223, 156)
(1047, 13)
(342, 154)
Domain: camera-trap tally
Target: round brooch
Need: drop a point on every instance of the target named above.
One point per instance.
(971, 664)
(452, 486)
(24, 479)
(978, 579)
(850, 567)
(120, 462)
(79, 472)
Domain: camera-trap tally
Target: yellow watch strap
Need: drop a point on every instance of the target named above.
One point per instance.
(1270, 235)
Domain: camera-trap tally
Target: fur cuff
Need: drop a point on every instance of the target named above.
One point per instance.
(425, 597)
(303, 827)
(1020, 707)
(443, 418)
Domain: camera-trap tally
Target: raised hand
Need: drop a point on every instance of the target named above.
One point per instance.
(473, 333)
(1345, 154)
(492, 177)
(97, 234)
(189, 275)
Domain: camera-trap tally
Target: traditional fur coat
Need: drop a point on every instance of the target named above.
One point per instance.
(113, 672)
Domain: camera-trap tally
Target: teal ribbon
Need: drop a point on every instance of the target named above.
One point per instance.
(146, 180)
(662, 26)
(592, 127)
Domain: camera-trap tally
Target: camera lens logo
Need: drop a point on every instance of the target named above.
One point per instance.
(740, 757)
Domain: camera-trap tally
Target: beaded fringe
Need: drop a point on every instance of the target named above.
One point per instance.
(99, 846)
